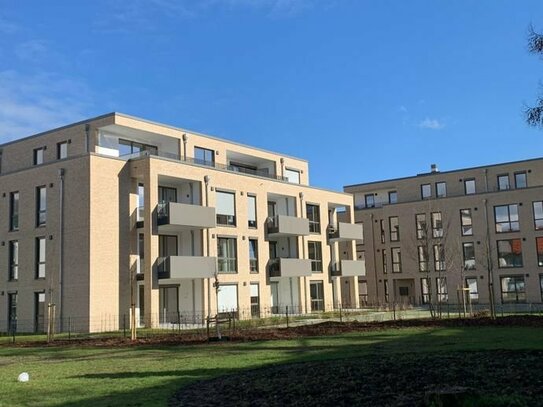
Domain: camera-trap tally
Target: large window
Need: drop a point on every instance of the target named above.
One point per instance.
(226, 208)
(510, 253)
(369, 200)
(439, 257)
(426, 191)
(441, 189)
(466, 222)
(13, 260)
(468, 250)
(167, 246)
(251, 211)
(392, 197)
(40, 257)
(315, 255)
(420, 220)
(442, 292)
(227, 298)
(204, 156)
(384, 257)
(167, 194)
(437, 225)
(38, 155)
(316, 291)
(471, 284)
(539, 248)
(396, 260)
(506, 217)
(538, 215)
(521, 180)
(128, 147)
(292, 176)
(503, 182)
(41, 206)
(62, 150)
(314, 217)
(469, 186)
(423, 258)
(227, 255)
(513, 289)
(253, 255)
(394, 228)
(14, 211)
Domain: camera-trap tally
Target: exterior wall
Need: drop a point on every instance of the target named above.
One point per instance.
(482, 208)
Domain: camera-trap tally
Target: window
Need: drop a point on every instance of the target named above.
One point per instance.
(39, 312)
(385, 285)
(396, 260)
(439, 257)
(520, 180)
(38, 155)
(509, 253)
(469, 186)
(394, 228)
(315, 255)
(442, 293)
(426, 191)
(437, 224)
(363, 292)
(203, 156)
(253, 255)
(425, 290)
(41, 206)
(255, 300)
(251, 208)
(62, 150)
(503, 182)
(317, 295)
(292, 176)
(167, 194)
(226, 208)
(14, 211)
(513, 289)
(538, 215)
(506, 218)
(362, 226)
(382, 224)
(12, 312)
(227, 298)
(13, 260)
(471, 283)
(423, 258)
(539, 248)
(167, 246)
(384, 256)
(466, 222)
(468, 250)
(141, 251)
(227, 255)
(392, 197)
(441, 189)
(314, 217)
(128, 147)
(40, 257)
(369, 200)
(420, 220)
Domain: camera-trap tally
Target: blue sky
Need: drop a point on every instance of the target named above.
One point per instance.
(364, 90)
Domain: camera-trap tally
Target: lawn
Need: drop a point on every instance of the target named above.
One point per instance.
(150, 375)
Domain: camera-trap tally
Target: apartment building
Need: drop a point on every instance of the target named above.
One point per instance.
(116, 210)
(453, 236)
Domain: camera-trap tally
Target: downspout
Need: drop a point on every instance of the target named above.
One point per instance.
(61, 245)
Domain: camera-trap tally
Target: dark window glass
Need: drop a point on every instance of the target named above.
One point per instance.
(253, 255)
(392, 197)
(394, 228)
(506, 218)
(38, 156)
(14, 211)
(437, 225)
(40, 257)
(204, 156)
(62, 150)
(13, 260)
(513, 289)
(510, 253)
(314, 217)
(468, 250)
(369, 200)
(396, 260)
(227, 255)
(41, 206)
(315, 255)
(466, 222)
(420, 220)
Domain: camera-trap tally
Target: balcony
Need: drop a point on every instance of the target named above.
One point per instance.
(186, 267)
(288, 267)
(282, 225)
(349, 268)
(344, 232)
(174, 216)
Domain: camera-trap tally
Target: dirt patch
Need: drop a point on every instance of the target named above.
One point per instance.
(498, 378)
(260, 334)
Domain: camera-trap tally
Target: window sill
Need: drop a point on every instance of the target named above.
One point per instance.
(226, 226)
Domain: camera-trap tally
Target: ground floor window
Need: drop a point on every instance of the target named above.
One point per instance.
(471, 283)
(425, 290)
(12, 312)
(513, 289)
(442, 293)
(228, 298)
(385, 283)
(39, 312)
(255, 301)
(316, 290)
(363, 292)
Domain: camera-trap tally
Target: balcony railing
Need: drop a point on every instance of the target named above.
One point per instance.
(206, 163)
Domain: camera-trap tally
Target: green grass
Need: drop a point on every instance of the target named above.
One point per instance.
(150, 375)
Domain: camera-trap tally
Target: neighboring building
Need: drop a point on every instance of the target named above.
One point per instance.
(117, 209)
(426, 237)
